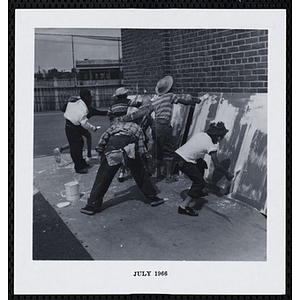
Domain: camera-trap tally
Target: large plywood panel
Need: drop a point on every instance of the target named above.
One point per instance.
(179, 122)
(244, 148)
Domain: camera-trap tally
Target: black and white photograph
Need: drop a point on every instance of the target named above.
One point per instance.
(151, 150)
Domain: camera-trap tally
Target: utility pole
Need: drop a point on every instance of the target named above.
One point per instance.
(73, 52)
(119, 57)
(74, 62)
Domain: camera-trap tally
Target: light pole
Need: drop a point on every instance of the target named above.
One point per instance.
(119, 57)
(73, 60)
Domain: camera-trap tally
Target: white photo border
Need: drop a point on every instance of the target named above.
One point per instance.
(115, 277)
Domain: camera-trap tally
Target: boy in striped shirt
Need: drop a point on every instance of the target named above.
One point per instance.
(162, 131)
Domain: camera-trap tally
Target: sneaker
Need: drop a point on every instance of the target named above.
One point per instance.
(57, 155)
(121, 179)
(187, 211)
(88, 210)
(88, 160)
(155, 201)
(82, 171)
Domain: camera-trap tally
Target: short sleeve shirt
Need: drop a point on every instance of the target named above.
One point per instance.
(76, 111)
(196, 147)
(163, 106)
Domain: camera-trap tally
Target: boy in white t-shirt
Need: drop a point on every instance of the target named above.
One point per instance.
(189, 158)
(76, 119)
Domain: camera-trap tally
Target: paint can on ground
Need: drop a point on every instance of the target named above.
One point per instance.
(71, 191)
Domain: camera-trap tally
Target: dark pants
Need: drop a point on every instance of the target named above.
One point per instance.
(88, 136)
(75, 139)
(163, 148)
(106, 174)
(195, 172)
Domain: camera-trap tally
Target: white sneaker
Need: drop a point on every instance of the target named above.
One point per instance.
(88, 160)
(57, 155)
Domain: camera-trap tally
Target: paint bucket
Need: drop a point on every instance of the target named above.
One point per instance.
(71, 191)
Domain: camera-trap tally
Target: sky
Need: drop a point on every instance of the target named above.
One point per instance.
(54, 51)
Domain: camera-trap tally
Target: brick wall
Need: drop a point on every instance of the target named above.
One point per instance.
(142, 52)
(200, 60)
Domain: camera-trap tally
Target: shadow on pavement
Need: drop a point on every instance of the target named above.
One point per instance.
(52, 239)
(125, 195)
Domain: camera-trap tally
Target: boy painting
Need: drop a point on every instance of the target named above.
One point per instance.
(189, 158)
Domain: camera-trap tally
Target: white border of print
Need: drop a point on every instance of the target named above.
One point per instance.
(115, 277)
(296, 159)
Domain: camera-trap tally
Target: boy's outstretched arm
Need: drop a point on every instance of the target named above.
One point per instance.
(219, 167)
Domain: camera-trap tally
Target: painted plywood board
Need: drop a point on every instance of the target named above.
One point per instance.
(244, 146)
(179, 122)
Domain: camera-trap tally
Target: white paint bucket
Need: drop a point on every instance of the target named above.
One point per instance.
(71, 191)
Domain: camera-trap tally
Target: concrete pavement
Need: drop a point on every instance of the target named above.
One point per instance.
(130, 229)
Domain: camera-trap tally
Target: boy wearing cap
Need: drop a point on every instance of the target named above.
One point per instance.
(120, 104)
(162, 131)
(189, 158)
(119, 108)
(76, 118)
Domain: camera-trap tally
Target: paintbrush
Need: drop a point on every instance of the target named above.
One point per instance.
(226, 189)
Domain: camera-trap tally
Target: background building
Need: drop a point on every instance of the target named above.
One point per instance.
(54, 87)
(98, 69)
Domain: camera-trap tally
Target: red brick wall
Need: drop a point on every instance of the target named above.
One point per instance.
(205, 60)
